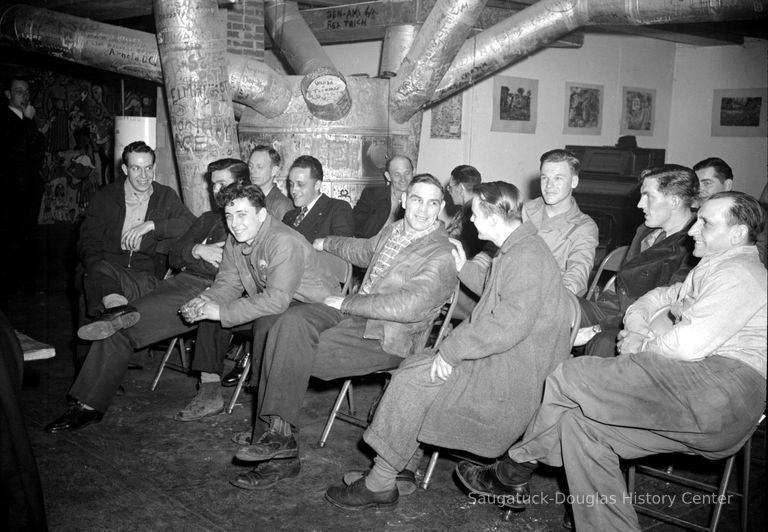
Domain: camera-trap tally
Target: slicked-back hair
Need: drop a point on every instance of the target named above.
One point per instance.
(138, 146)
(274, 155)
(744, 210)
(466, 175)
(721, 169)
(500, 198)
(239, 190)
(398, 156)
(237, 169)
(307, 161)
(674, 180)
(558, 156)
(429, 179)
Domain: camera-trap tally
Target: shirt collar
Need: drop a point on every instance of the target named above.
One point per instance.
(401, 231)
(132, 193)
(312, 203)
(16, 112)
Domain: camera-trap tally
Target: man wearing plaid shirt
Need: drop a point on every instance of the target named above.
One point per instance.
(411, 274)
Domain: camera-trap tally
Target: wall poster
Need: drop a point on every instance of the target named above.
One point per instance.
(638, 111)
(739, 113)
(583, 109)
(515, 103)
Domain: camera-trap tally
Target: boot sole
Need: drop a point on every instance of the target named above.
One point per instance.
(103, 329)
(376, 505)
(247, 457)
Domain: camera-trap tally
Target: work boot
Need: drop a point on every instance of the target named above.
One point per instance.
(207, 402)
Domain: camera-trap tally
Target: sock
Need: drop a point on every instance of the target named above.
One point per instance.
(205, 378)
(381, 477)
(512, 473)
(113, 300)
(281, 426)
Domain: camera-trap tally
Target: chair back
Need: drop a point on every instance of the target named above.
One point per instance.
(574, 311)
(612, 263)
(342, 270)
(446, 313)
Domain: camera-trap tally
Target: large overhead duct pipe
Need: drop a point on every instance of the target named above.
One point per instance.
(527, 31)
(323, 87)
(192, 41)
(398, 39)
(129, 53)
(440, 38)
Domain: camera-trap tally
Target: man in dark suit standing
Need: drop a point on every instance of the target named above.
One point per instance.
(315, 215)
(21, 147)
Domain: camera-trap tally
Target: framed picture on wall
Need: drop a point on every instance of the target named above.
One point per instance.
(515, 104)
(739, 112)
(638, 111)
(583, 108)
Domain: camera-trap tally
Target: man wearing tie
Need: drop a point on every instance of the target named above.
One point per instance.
(316, 215)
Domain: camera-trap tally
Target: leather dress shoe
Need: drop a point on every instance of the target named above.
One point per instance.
(269, 446)
(405, 480)
(267, 474)
(357, 497)
(110, 321)
(74, 418)
(233, 377)
(485, 481)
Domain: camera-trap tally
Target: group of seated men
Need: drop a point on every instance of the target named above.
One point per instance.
(696, 384)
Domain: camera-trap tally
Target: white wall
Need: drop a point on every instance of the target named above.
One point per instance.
(699, 71)
(683, 76)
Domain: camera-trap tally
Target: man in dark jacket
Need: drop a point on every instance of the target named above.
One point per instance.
(660, 254)
(316, 215)
(264, 268)
(196, 256)
(379, 205)
(411, 274)
(124, 225)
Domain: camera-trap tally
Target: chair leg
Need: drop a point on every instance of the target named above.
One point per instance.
(631, 471)
(183, 353)
(336, 407)
(166, 356)
(745, 471)
(721, 493)
(430, 469)
(350, 399)
(240, 382)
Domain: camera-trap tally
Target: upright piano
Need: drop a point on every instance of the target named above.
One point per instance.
(609, 191)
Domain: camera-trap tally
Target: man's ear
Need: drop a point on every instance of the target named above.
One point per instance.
(125, 169)
(262, 214)
(275, 170)
(403, 197)
(575, 181)
(739, 234)
(728, 184)
(7, 95)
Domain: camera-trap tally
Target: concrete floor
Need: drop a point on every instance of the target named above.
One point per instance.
(140, 470)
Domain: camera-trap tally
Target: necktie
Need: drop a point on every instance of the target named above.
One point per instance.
(651, 239)
(300, 217)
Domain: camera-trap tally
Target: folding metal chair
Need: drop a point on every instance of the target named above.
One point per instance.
(723, 494)
(346, 388)
(342, 271)
(612, 263)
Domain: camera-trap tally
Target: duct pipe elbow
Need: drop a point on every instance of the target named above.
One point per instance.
(256, 85)
(440, 38)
